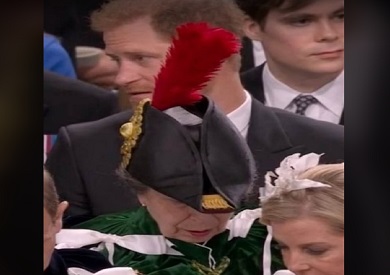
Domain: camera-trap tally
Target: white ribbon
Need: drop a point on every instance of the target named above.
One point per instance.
(239, 226)
(284, 272)
(267, 255)
(145, 244)
(107, 271)
(287, 176)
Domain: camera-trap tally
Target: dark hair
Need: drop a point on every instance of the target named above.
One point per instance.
(167, 15)
(258, 10)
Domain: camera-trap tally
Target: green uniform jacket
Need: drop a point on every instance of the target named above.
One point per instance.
(238, 250)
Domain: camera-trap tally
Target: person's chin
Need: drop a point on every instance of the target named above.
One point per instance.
(328, 65)
(134, 99)
(198, 236)
(328, 68)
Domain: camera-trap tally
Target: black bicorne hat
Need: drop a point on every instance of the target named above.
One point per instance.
(206, 166)
(205, 163)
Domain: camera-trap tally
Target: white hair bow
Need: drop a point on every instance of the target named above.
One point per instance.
(287, 176)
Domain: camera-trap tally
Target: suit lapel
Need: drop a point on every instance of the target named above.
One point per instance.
(252, 81)
(247, 58)
(267, 140)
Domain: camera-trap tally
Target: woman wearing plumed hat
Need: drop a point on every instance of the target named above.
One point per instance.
(190, 169)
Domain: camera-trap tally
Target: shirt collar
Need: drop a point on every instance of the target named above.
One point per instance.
(279, 95)
(331, 95)
(241, 116)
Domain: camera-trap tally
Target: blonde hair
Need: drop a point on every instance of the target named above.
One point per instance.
(324, 203)
(50, 196)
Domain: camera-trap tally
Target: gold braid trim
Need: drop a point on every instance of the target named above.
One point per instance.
(131, 131)
(204, 270)
(214, 202)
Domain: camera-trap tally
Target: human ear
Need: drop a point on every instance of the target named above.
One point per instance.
(59, 215)
(142, 199)
(252, 29)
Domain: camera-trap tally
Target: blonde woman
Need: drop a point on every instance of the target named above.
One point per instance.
(304, 210)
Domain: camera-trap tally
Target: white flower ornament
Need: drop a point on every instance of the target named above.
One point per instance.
(287, 176)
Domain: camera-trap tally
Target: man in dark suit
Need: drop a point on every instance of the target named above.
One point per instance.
(304, 47)
(68, 101)
(85, 157)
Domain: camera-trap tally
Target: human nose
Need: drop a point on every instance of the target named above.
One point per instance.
(127, 73)
(295, 261)
(200, 217)
(327, 31)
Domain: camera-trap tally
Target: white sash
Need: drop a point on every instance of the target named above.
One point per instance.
(238, 226)
(107, 271)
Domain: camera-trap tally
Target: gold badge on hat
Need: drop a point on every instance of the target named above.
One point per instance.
(131, 131)
(216, 203)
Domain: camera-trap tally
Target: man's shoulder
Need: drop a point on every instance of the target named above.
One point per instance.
(314, 135)
(253, 74)
(252, 81)
(49, 41)
(62, 87)
(309, 134)
(254, 70)
(297, 123)
(293, 121)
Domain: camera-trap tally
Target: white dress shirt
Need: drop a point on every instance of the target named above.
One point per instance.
(330, 97)
(258, 53)
(242, 115)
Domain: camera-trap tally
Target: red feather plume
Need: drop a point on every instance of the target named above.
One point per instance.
(195, 55)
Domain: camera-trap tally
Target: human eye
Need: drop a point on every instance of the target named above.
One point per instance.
(339, 16)
(114, 58)
(315, 251)
(140, 58)
(281, 247)
(299, 21)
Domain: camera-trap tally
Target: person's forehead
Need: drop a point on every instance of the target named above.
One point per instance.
(301, 230)
(140, 28)
(311, 6)
(135, 39)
